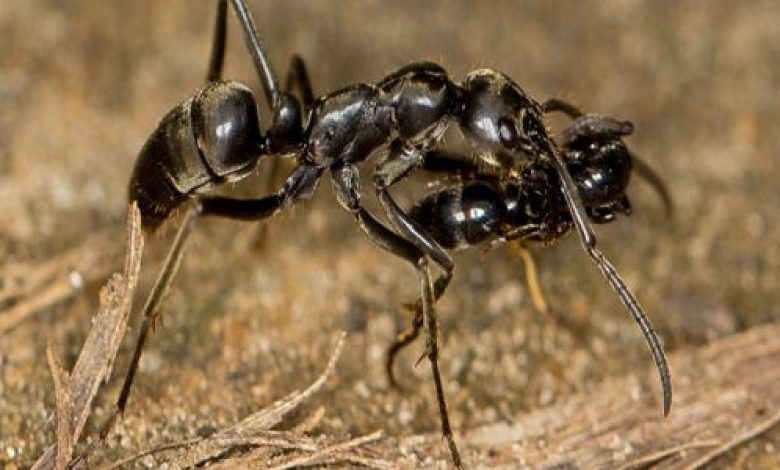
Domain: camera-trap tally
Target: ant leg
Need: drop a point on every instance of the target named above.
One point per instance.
(346, 183)
(218, 43)
(556, 105)
(259, 56)
(399, 162)
(630, 302)
(299, 77)
(647, 173)
(531, 277)
(404, 339)
(152, 310)
(300, 184)
(588, 239)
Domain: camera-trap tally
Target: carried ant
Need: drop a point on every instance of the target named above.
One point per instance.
(521, 204)
(541, 191)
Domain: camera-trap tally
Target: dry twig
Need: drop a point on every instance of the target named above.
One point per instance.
(62, 394)
(255, 431)
(737, 441)
(100, 348)
(656, 457)
(321, 455)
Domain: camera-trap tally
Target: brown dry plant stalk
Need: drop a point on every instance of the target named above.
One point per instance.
(268, 447)
(75, 391)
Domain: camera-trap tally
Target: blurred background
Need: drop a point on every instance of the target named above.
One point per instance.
(255, 311)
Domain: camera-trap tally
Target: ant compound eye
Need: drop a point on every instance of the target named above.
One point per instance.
(507, 132)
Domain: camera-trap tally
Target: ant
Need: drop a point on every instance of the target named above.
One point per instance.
(216, 136)
(523, 204)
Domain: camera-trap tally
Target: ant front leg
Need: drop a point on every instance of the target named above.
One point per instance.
(346, 182)
(400, 161)
(435, 161)
(588, 238)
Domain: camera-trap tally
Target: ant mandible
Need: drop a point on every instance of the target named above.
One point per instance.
(215, 136)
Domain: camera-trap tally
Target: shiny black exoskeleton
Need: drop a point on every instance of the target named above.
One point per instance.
(485, 207)
(216, 136)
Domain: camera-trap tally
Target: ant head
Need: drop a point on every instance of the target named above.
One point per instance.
(286, 132)
(499, 118)
(599, 163)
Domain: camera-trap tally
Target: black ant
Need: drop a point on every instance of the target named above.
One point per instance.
(497, 205)
(215, 136)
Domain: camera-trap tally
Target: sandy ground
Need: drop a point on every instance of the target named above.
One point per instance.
(82, 84)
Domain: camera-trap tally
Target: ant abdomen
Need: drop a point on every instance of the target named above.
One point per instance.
(211, 137)
(462, 215)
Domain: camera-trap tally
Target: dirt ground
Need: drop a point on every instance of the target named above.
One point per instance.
(254, 313)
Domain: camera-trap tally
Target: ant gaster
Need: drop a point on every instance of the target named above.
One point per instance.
(216, 136)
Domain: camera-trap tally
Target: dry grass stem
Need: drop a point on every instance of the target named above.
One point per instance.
(62, 397)
(749, 435)
(256, 431)
(322, 455)
(97, 355)
(655, 458)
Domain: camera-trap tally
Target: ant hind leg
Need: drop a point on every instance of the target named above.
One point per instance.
(151, 311)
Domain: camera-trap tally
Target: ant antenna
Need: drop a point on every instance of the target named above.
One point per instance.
(260, 58)
(647, 173)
